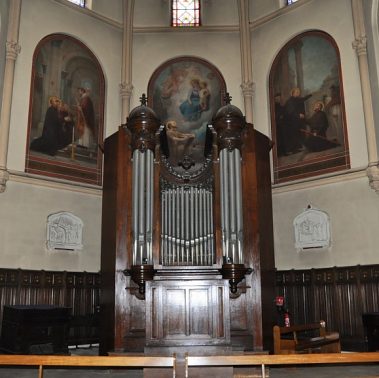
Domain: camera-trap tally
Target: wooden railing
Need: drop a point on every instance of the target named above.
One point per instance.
(88, 361)
(190, 361)
(268, 360)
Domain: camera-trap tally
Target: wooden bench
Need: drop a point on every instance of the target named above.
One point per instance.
(305, 338)
(262, 360)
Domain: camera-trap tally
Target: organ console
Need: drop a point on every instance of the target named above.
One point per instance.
(187, 258)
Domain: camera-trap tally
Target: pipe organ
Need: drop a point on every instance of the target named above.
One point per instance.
(187, 257)
(187, 226)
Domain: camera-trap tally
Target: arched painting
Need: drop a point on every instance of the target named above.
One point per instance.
(185, 93)
(66, 111)
(307, 109)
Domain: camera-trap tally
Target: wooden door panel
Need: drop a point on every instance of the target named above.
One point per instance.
(190, 313)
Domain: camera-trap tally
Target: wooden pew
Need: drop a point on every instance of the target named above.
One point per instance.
(305, 338)
(262, 360)
(42, 361)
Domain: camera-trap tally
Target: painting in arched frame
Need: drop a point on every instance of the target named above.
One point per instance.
(307, 109)
(66, 111)
(186, 92)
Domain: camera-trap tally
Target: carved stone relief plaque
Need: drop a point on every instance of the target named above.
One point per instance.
(64, 231)
(312, 229)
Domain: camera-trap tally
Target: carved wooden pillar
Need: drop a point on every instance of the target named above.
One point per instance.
(143, 125)
(252, 280)
(229, 123)
(122, 304)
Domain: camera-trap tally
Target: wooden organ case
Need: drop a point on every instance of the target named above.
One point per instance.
(187, 259)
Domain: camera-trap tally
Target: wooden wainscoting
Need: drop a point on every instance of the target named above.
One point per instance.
(338, 295)
(78, 290)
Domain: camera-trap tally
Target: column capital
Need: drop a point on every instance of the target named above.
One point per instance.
(248, 88)
(126, 89)
(4, 177)
(12, 50)
(360, 45)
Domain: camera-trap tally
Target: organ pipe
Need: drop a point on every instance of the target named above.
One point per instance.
(231, 205)
(143, 201)
(187, 225)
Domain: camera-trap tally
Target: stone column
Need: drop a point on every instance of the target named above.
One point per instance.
(360, 46)
(246, 61)
(12, 51)
(126, 86)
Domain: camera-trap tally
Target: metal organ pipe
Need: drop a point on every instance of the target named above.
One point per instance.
(142, 213)
(141, 208)
(237, 164)
(187, 225)
(135, 204)
(231, 205)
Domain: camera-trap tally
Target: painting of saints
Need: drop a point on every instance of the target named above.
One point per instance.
(65, 127)
(307, 116)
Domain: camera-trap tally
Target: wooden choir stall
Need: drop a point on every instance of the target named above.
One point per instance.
(187, 259)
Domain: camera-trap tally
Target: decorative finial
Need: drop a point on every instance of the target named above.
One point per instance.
(227, 98)
(143, 99)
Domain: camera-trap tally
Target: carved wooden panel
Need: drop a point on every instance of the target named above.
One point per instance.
(338, 295)
(77, 290)
(187, 313)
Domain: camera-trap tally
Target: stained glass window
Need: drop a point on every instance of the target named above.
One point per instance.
(289, 2)
(81, 3)
(185, 13)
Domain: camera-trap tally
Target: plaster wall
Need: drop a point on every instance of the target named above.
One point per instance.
(23, 215)
(351, 204)
(112, 10)
(25, 206)
(261, 8)
(151, 50)
(337, 22)
(353, 209)
(40, 18)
